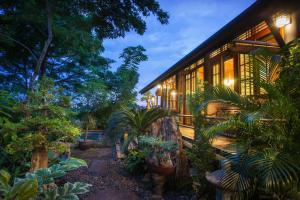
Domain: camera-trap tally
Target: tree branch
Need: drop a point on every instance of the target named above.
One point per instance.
(21, 44)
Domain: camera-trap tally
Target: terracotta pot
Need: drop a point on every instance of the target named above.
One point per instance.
(161, 170)
(85, 144)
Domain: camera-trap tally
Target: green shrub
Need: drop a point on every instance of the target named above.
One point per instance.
(41, 183)
(135, 162)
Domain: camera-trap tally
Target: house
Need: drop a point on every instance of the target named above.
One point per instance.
(224, 58)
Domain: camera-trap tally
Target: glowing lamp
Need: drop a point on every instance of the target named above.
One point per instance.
(173, 94)
(228, 82)
(282, 20)
(153, 100)
(158, 86)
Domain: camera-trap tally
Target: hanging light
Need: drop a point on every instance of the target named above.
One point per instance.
(158, 86)
(282, 20)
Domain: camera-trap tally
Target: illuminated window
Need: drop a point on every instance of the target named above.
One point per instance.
(187, 84)
(246, 70)
(229, 74)
(193, 81)
(200, 74)
(216, 74)
(187, 96)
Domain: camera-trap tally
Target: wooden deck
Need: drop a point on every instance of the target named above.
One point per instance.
(220, 142)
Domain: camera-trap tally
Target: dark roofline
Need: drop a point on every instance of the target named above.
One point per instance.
(257, 12)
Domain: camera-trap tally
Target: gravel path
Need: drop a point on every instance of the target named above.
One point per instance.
(109, 178)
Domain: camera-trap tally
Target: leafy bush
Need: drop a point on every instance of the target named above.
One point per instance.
(135, 162)
(157, 147)
(202, 159)
(41, 183)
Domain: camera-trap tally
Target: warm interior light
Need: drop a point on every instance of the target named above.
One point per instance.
(229, 73)
(228, 82)
(153, 99)
(282, 20)
(173, 93)
(158, 86)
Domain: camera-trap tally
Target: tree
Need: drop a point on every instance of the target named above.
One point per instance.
(63, 39)
(102, 98)
(44, 124)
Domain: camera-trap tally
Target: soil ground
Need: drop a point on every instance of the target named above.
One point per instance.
(109, 178)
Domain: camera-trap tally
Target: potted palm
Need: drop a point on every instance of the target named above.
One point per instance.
(159, 154)
(88, 122)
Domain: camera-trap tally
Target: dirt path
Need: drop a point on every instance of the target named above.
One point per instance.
(109, 178)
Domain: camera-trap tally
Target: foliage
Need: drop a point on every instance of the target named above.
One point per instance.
(41, 185)
(88, 122)
(135, 121)
(202, 160)
(152, 145)
(22, 190)
(201, 154)
(63, 39)
(18, 162)
(118, 90)
(116, 127)
(269, 128)
(141, 119)
(135, 162)
(44, 121)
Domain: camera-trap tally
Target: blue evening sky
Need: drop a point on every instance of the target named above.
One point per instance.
(191, 22)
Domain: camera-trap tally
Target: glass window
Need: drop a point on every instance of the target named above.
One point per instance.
(246, 70)
(229, 74)
(187, 92)
(200, 74)
(216, 74)
(193, 82)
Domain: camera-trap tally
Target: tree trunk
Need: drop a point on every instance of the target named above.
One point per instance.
(43, 54)
(86, 133)
(39, 159)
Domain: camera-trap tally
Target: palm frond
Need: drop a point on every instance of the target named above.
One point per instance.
(275, 170)
(225, 94)
(222, 126)
(142, 119)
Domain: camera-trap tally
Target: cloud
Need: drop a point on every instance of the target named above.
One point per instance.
(191, 22)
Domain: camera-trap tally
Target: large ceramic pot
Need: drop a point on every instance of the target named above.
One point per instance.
(85, 144)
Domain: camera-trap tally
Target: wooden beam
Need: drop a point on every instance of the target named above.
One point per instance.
(275, 31)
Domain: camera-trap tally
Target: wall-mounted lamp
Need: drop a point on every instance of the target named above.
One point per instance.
(158, 86)
(173, 93)
(282, 20)
(228, 82)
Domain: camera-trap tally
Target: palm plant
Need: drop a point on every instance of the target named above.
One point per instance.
(138, 121)
(269, 130)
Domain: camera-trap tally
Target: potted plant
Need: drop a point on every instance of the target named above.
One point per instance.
(159, 154)
(87, 122)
